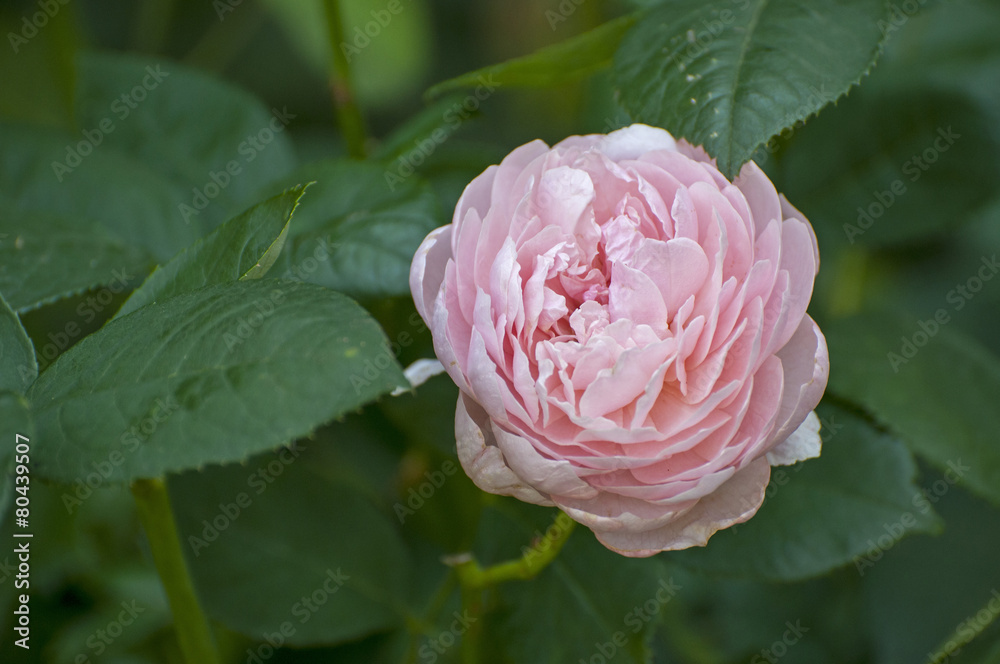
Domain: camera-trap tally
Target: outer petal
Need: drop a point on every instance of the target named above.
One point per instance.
(428, 268)
(545, 475)
(636, 140)
(804, 443)
(482, 459)
(734, 502)
(806, 364)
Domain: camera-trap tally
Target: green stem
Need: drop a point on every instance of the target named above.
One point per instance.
(472, 602)
(965, 632)
(157, 520)
(345, 107)
(434, 608)
(475, 579)
(535, 559)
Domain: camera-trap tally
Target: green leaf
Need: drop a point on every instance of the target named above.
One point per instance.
(274, 544)
(217, 144)
(587, 598)
(431, 127)
(730, 74)
(209, 376)
(358, 229)
(104, 186)
(49, 257)
(898, 165)
(957, 577)
(245, 247)
(18, 365)
(931, 385)
(553, 65)
(827, 512)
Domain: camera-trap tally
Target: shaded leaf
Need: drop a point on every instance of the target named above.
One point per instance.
(552, 65)
(49, 257)
(570, 611)
(273, 545)
(934, 387)
(215, 143)
(100, 186)
(898, 165)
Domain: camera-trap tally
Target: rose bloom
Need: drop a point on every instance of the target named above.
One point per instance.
(628, 330)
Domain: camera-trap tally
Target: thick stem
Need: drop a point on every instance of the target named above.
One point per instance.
(535, 559)
(157, 520)
(472, 603)
(475, 579)
(345, 107)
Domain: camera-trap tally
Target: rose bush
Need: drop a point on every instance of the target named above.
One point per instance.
(628, 330)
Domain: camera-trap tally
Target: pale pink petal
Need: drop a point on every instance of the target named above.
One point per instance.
(734, 502)
(428, 268)
(483, 461)
(804, 443)
(806, 363)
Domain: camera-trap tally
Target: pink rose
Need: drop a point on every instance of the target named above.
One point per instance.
(628, 330)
